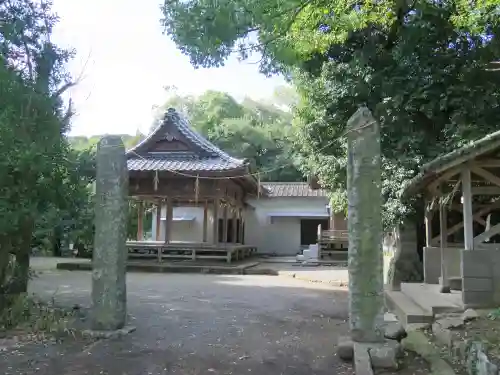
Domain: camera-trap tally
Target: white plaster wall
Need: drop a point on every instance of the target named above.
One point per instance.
(281, 235)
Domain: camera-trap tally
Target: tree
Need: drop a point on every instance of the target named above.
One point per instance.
(250, 130)
(33, 120)
(420, 67)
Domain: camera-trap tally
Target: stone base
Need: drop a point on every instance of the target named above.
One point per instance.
(367, 356)
(108, 334)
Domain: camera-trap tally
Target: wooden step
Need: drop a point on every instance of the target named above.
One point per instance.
(407, 311)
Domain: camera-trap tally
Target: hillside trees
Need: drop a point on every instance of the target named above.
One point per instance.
(257, 131)
(419, 66)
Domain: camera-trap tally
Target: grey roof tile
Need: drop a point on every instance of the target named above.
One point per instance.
(292, 189)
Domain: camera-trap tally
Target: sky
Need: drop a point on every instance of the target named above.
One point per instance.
(124, 62)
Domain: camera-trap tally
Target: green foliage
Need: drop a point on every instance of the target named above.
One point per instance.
(33, 161)
(420, 67)
(83, 143)
(259, 132)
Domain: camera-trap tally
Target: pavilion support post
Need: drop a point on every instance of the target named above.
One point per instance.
(215, 227)
(445, 282)
(428, 226)
(224, 223)
(241, 238)
(140, 220)
(205, 221)
(467, 211)
(169, 220)
(234, 226)
(158, 221)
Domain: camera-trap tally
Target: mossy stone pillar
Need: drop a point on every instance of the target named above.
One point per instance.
(366, 284)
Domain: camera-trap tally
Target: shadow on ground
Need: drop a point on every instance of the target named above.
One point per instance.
(198, 324)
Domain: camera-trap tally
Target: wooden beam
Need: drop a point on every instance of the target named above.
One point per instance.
(477, 215)
(434, 185)
(467, 212)
(495, 229)
(488, 176)
(486, 190)
(487, 163)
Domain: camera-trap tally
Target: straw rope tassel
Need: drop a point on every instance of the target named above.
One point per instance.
(196, 189)
(156, 180)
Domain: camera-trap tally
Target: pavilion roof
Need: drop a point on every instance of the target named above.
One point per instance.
(430, 171)
(175, 146)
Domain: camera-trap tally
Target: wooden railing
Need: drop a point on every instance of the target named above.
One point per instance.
(326, 235)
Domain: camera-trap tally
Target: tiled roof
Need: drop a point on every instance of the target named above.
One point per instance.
(180, 164)
(292, 189)
(202, 156)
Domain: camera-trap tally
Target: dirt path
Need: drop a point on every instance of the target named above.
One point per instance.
(199, 324)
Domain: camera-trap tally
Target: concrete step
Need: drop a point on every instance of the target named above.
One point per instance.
(429, 298)
(407, 311)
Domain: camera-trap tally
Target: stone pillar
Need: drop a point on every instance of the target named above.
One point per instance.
(109, 296)
(366, 290)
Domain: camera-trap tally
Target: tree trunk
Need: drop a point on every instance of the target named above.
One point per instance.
(21, 271)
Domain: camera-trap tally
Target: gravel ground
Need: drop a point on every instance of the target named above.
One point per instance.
(198, 324)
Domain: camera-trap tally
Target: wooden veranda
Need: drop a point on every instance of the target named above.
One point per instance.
(177, 167)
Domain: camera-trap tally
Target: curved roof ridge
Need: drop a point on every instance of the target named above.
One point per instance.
(186, 129)
(182, 124)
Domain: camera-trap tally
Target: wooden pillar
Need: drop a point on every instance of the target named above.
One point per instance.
(235, 226)
(158, 221)
(428, 226)
(205, 221)
(443, 239)
(215, 227)
(224, 223)
(140, 219)
(169, 220)
(467, 209)
(241, 238)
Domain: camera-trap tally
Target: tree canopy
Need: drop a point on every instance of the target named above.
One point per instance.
(253, 130)
(421, 67)
(35, 160)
